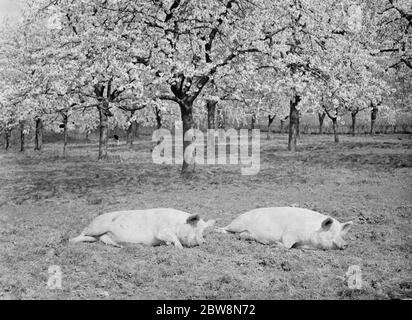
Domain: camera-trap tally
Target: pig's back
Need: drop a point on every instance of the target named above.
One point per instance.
(142, 226)
(102, 223)
(291, 217)
(276, 219)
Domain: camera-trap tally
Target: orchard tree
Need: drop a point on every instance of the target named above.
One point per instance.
(102, 69)
(32, 80)
(321, 117)
(333, 108)
(182, 44)
(392, 21)
(254, 95)
(317, 42)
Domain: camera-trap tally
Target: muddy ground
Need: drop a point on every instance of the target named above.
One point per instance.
(45, 199)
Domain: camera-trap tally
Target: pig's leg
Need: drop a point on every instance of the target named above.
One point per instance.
(246, 235)
(305, 247)
(169, 237)
(83, 238)
(288, 241)
(107, 240)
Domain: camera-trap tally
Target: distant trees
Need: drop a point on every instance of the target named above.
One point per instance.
(130, 62)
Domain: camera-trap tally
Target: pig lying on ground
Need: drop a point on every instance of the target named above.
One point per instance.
(150, 227)
(290, 227)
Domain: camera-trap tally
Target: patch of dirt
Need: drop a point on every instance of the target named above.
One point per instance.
(45, 199)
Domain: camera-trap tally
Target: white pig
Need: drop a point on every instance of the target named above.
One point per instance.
(151, 227)
(290, 227)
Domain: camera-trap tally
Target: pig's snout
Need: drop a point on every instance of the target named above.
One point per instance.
(341, 245)
(200, 240)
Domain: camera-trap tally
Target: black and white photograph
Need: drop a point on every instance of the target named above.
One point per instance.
(205, 150)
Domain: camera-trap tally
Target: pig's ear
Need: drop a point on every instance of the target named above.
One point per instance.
(345, 227)
(327, 223)
(193, 219)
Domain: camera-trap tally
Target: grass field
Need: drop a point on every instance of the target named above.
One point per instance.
(45, 199)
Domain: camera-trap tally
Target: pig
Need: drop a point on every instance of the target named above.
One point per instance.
(150, 227)
(290, 227)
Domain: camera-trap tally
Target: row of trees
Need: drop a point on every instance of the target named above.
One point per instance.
(125, 62)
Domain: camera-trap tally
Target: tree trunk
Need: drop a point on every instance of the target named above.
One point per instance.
(334, 119)
(335, 129)
(103, 138)
(130, 132)
(158, 117)
(220, 118)
(21, 136)
(293, 122)
(186, 111)
(270, 121)
(211, 114)
(130, 135)
(321, 117)
(298, 125)
(7, 138)
(374, 113)
(253, 122)
(353, 125)
(38, 138)
(65, 121)
(136, 129)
